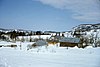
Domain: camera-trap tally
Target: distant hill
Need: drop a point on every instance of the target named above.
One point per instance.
(79, 28)
(10, 30)
(86, 27)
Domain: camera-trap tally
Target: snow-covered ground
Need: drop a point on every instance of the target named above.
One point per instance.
(49, 57)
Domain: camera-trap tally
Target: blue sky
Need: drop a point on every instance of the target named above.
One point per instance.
(54, 15)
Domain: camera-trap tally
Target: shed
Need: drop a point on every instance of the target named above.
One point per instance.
(69, 42)
(54, 39)
(40, 43)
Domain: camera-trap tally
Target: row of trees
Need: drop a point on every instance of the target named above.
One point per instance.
(11, 35)
(14, 36)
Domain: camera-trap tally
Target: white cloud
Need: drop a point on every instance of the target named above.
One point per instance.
(84, 10)
(89, 17)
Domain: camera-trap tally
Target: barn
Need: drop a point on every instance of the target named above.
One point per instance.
(54, 40)
(69, 42)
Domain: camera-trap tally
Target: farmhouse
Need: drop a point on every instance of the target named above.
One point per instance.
(69, 42)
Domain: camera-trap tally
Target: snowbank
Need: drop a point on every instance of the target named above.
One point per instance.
(62, 57)
(51, 56)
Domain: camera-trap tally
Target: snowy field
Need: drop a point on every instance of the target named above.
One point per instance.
(51, 57)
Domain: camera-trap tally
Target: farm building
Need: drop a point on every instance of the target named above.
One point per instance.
(54, 39)
(69, 42)
(38, 43)
(41, 43)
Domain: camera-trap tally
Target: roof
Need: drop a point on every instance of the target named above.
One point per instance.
(41, 43)
(70, 40)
